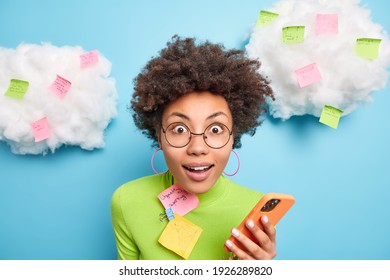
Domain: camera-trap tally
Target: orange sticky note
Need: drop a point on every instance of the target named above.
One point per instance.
(178, 199)
(308, 75)
(60, 86)
(180, 236)
(89, 58)
(41, 129)
(327, 23)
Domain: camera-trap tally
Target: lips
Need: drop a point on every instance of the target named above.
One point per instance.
(198, 171)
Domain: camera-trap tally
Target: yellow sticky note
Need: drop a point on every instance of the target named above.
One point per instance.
(293, 34)
(367, 47)
(266, 18)
(180, 236)
(330, 116)
(17, 89)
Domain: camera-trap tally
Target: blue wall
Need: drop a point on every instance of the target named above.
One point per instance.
(57, 206)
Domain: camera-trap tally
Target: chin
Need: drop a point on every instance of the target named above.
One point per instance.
(199, 187)
(197, 183)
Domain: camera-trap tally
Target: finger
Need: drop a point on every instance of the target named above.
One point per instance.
(252, 249)
(269, 229)
(262, 237)
(239, 254)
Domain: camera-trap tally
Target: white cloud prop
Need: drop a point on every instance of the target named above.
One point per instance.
(347, 80)
(79, 118)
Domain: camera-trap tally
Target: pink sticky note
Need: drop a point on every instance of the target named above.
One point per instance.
(327, 23)
(60, 86)
(178, 199)
(89, 58)
(308, 75)
(41, 129)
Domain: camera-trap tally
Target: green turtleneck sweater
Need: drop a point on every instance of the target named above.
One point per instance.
(136, 213)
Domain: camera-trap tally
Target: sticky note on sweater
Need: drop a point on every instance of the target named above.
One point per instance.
(180, 236)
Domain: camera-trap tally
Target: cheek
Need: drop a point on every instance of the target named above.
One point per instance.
(222, 157)
(225, 152)
(172, 157)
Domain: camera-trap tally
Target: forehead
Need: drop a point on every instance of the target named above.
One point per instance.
(198, 106)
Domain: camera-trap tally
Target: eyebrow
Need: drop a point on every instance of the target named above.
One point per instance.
(185, 117)
(180, 115)
(217, 114)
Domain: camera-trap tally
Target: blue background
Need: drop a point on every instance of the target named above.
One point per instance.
(58, 206)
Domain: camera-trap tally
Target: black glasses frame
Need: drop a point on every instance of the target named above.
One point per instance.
(197, 134)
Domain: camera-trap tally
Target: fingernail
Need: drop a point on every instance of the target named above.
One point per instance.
(235, 232)
(265, 219)
(250, 224)
(228, 243)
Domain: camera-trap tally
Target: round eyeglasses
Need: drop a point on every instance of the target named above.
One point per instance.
(178, 135)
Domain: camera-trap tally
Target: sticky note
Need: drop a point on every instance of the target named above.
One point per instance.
(367, 47)
(60, 86)
(17, 89)
(308, 75)
(89, 58)
(266, 18)
(330, 116)
(178, 199)
(180, 236)
(293, 34)
(41, 129)
(327, 24)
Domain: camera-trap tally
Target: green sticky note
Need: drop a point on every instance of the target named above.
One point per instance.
(17, 89)
(367, 47)
(266, 18)
(293, 34)
(330, 116)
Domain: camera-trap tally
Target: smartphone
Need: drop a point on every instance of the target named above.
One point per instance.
(273, 205)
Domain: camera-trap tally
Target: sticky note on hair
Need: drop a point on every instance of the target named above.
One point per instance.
(180, 236)
(330, 116)
(327, 24)
(266, 18)
(367, 47)
(89, 58)
(41, 129)
(17, 88)
(178, 199)
(308, 75)
(293, 34)
(60, 86)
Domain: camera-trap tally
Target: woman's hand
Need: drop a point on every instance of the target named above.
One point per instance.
(265, 249)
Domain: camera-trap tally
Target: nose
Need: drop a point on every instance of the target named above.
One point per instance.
(197, 145)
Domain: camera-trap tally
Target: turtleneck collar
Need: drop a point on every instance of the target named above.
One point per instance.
(216, 191)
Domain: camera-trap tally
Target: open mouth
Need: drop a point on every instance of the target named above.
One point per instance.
(198, 169)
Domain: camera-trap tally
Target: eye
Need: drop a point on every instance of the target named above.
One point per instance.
(179, 129)
(216, 129)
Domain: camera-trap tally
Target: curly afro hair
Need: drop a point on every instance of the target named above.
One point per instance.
(185, 66)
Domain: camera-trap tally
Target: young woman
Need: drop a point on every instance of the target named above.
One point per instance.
(194, 101)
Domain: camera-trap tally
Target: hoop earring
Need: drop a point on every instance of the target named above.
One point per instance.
(238, 167)
(152, 161)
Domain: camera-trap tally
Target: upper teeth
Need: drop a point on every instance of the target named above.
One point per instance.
(199, 168)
